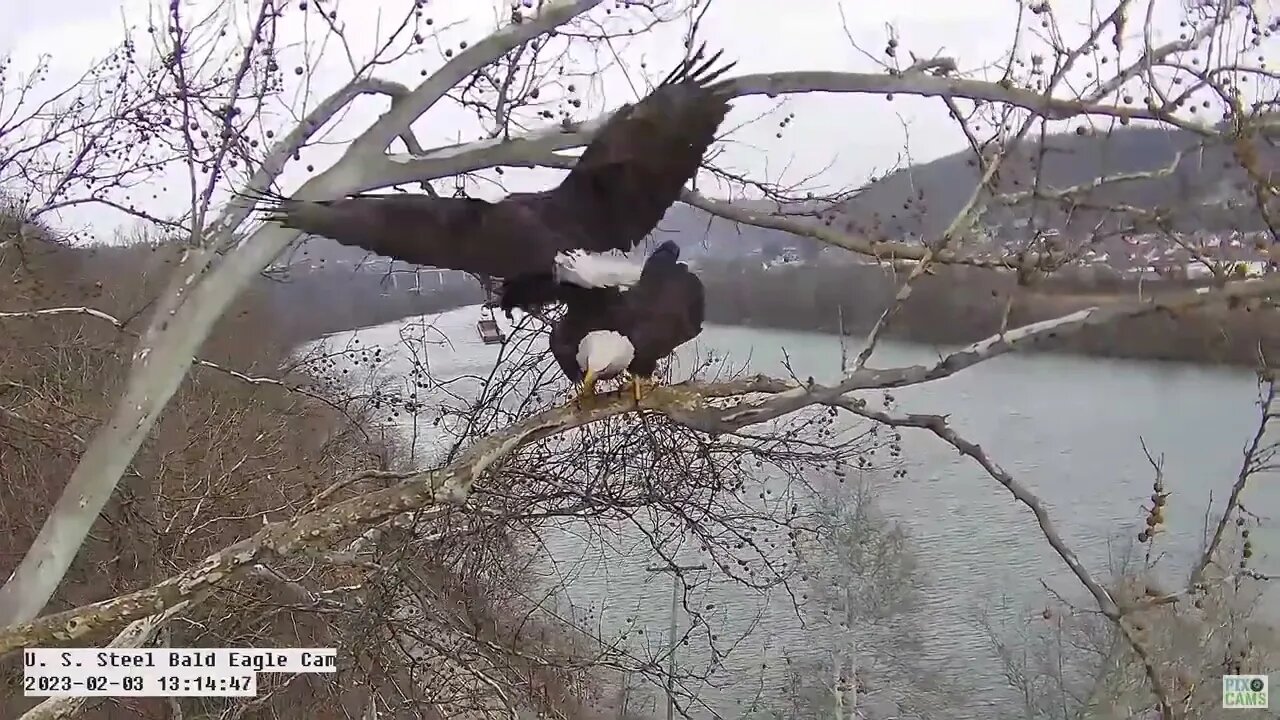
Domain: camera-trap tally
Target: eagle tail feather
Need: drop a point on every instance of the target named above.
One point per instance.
(597, 270)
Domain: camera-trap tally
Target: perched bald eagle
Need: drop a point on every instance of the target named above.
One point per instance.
(605, 331)
(576, 233)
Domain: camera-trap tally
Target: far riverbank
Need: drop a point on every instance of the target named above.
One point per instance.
(962, 305)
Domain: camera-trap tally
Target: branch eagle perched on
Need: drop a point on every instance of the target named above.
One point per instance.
(574, 235)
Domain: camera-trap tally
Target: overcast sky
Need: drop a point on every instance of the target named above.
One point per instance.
(850, 136)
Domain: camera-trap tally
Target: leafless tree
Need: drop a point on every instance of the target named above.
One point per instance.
(1069, 661)
(209, 117)
(861, 609)
(628, 481)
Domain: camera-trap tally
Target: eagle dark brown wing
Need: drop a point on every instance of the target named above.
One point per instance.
(626, 179)
(504, 239)
(636, 166)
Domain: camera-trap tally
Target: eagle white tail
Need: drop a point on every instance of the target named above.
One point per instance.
(597, 270)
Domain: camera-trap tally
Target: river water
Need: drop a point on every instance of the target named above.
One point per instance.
(1070, 428)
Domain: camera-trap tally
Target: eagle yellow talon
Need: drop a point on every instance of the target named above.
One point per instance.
(587, 395)
(640, 387)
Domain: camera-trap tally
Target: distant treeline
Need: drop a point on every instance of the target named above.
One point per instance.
(954, 305)
(304, 304)
(961, 305)
(320, 302)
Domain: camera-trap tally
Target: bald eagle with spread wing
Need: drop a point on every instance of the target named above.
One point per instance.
(539, 243)
(605, 331)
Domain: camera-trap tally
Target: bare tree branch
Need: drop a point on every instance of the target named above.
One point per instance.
(184, 317)
(687, 404)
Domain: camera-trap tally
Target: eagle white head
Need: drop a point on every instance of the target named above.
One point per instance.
(604, 354)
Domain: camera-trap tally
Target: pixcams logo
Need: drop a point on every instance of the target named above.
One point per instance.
(1244, 691)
